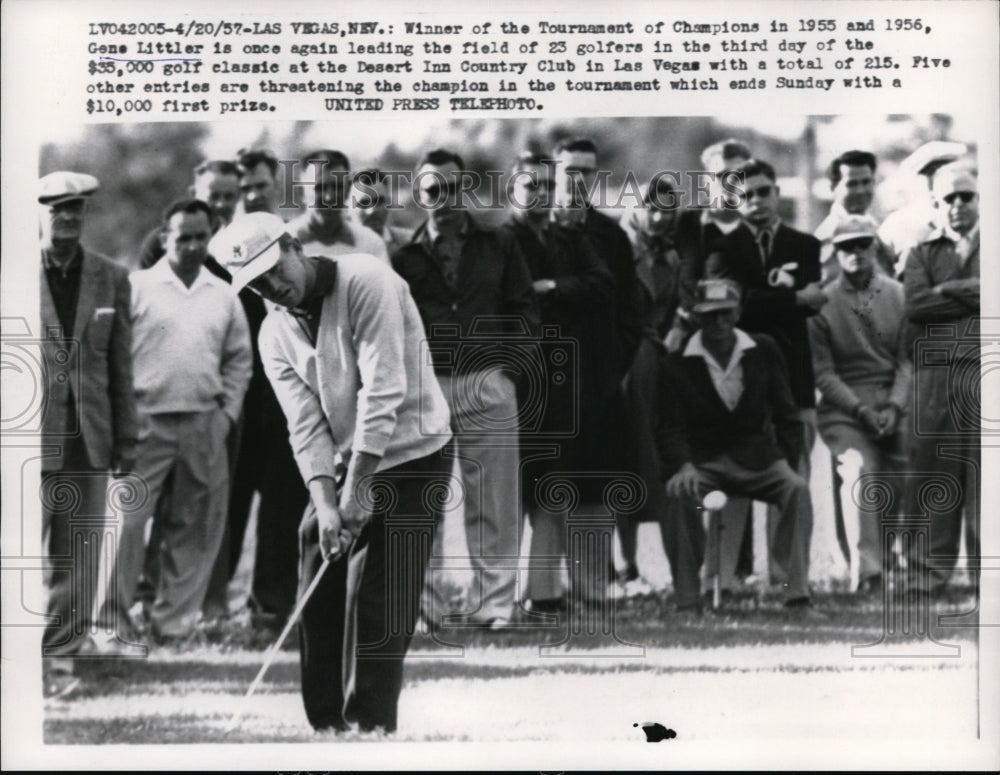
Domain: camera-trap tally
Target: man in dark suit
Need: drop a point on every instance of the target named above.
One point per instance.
(610, 446)
(727, 421)
(702, 225)
(778, 270)
(574, 288)
(90, 415)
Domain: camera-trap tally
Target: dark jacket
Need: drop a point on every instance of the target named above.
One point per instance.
(612, 246)
(88, 387)
(693, 240)
(575, 317)
(657, 270)
(929, 264)
(260, 403)
(695, 426)
(492, 281)
(769, 310)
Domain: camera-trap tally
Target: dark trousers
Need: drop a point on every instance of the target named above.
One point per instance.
(357, 625)
(640, 397)
(75, 521)
(947, 457)
(282, 496)
(777, 484)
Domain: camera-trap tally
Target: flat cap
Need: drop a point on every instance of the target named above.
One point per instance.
(929, 156)
(63, 186)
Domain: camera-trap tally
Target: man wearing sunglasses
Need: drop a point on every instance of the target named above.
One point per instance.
(326, 229)
(474, 293)
(914, 222)
(941, 282)
(89, 424)
(778, 269)
(864, 375)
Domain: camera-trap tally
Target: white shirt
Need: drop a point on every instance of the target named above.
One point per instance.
(190, 346)
(726, 227)
(728, 381)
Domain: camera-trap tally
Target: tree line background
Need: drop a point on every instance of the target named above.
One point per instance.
(144, 166)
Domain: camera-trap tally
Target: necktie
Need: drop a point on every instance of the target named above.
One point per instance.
(764, 242)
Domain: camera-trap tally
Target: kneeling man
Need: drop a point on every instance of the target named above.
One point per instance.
(344, 352)
(727, 421)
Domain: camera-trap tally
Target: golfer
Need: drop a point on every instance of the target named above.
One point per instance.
(344, 352)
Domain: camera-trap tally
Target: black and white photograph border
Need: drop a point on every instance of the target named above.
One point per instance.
(748, 685)
(747, 671)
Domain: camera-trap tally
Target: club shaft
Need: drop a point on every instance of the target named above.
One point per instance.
(273, 652)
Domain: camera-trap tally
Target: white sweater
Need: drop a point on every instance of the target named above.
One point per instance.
(368, 385)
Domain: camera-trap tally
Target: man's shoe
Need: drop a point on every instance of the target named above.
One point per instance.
(109, 646)
(187, 640)
(690, 610)
(871, 586)
(215, 612)
(638, 587)
(801, 608)
(553, 605)
(264, 621)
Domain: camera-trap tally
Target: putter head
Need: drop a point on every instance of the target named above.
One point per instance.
(715, 500)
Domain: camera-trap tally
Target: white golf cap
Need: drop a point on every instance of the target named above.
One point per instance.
(248, 246)
(929, 156)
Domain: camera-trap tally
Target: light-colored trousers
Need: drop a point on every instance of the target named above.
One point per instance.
(193, 446)
(484, 420)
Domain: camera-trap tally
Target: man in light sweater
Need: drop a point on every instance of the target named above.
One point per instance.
(863, 373)
(348, 360)
(192, 363)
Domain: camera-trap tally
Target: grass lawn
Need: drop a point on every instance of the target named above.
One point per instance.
(751, 670)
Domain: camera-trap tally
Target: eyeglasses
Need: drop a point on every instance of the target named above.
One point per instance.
(761, 192)
(858, 245)
(965, 196)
